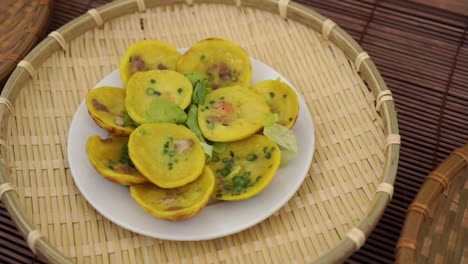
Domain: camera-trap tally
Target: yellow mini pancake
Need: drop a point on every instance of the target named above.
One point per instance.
(225, 62)
(177, 203)
(232, 113)
(169, 155)
(147, 55)
(110, 158)
(245, 168)
(106, 106)
(281, 98)
(145, 88)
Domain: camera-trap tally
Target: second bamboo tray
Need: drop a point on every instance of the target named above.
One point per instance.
(435, 228)
(22, 24)
(349, 183)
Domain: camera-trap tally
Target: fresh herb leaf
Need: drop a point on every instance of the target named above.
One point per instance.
(150, 91)
(128, 121)
(252, 157)
(238, 183)
(207, 148)
(286, 157)
(271, 120)
(200, 91)
(219, 147)
(282, 136)
(209, 124)
(230, 168)
(201, 84)
(215, 158)
(192, 122)
(230, 164)
(195, 77)
(232, 172)
(124, 157)
(162, 110)
(111, 164)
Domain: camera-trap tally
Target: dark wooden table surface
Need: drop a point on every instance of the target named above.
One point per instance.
(455, 6)
(421, 49)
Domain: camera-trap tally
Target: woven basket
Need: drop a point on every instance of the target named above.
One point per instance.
(22, 25)
(435, 229)
(349, 183)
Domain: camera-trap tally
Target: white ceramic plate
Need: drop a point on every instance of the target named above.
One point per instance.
(115, 203)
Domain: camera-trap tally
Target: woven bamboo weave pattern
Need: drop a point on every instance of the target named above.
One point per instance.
(436, 227)
(441, 240)
(342, 181)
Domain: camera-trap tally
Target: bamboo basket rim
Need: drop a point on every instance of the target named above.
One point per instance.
(290, 10)
(420, 211)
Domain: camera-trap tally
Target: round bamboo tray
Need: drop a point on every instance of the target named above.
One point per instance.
(22, 25)
(435, 228)
(349, 183)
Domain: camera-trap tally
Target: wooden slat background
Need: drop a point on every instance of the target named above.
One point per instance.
(422, 53)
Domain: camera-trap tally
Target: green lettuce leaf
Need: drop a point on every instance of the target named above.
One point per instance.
(192, 122)
(207, 148)
(271, 120)
(286, 157)
(200, 91)
(282, 135)
(124, 157)
(162, 110)
(219, 147)
(201, 86)
(195, 77)
(128, 121)
(233, 172)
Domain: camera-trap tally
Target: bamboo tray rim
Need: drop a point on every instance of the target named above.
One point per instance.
(288, 10)
(421, 211)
